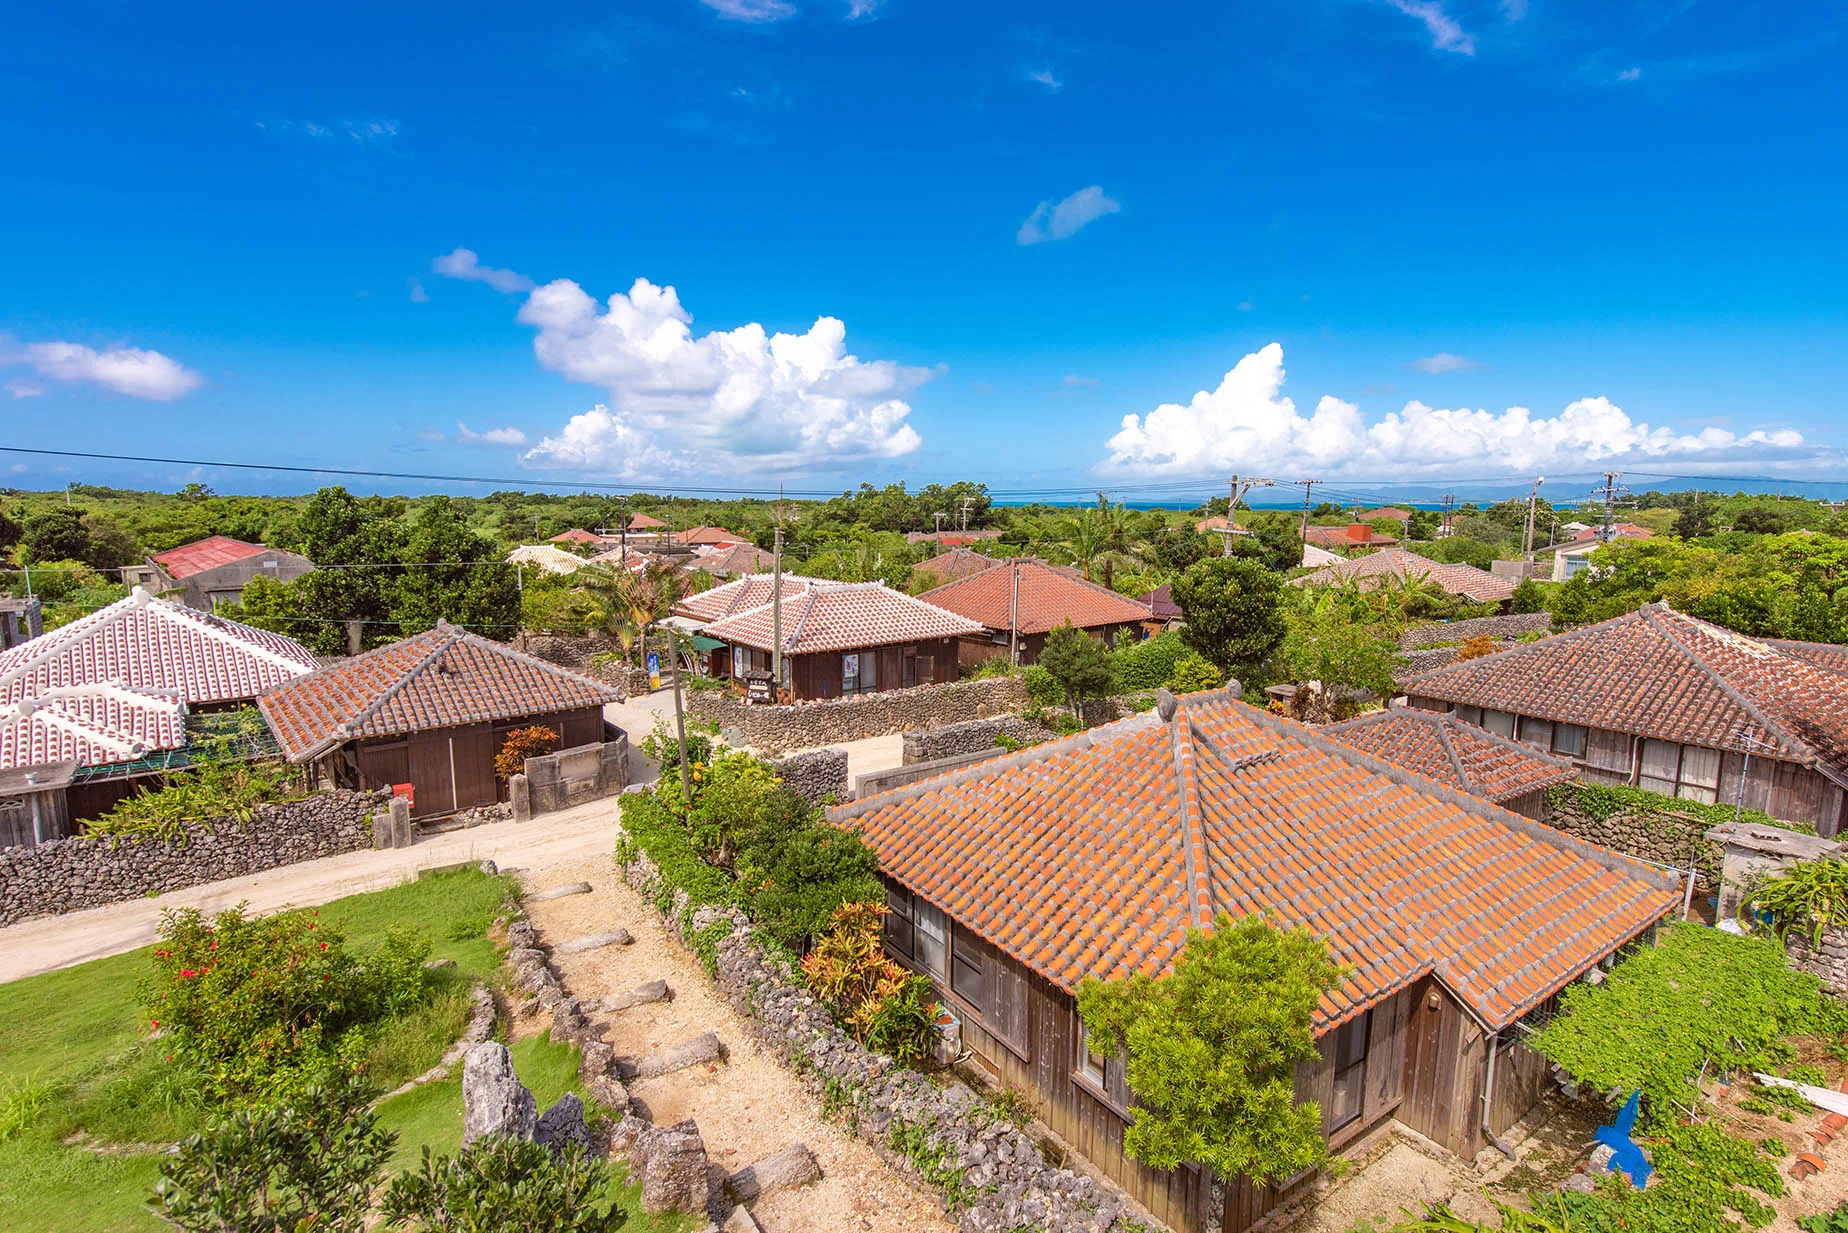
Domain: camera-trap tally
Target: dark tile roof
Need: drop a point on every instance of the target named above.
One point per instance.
(1828, 655)
(443, 678)
(1371, 570)
(739, 595)
(1049, 597)
(1092, 856)
(1448, 751)
(1660, 673)
(1161, 603)
(957, 563)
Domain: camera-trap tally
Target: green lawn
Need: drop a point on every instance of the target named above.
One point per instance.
(72, 1062)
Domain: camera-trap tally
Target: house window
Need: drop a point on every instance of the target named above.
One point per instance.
(932, 939)
(1569, 740)
(860, 672)
(1350, 1058)
(1690, 772)
(1537, 732)
(1660, 768)
(966, 970)
(1090, 1062)
(1469, 714)
(1501, 723)
(850, 674)
(899, 929)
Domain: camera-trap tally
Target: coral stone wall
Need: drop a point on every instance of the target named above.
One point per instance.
(817, 776)
(806, 725)
(1827, 958)
(1508, 625)
(1666, 837)
(978, 734)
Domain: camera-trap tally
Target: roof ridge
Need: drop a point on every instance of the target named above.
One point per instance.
(50, 645)
(217, 633)
(1196, 868)
(444, 640)
(1456, 762)
(1776, 728)
(1477, 731)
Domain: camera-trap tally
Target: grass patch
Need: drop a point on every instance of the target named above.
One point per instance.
(74, 1059)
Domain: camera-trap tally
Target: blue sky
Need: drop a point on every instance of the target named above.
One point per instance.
(226, 234)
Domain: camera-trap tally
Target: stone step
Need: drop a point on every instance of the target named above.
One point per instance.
(701, 1049)
(594, 941)
(641, 995)
(560, 892)
(795, 1165)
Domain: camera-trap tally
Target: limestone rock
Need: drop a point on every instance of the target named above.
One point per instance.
(561, 892)
(596, 1061)
(562, 1126)
(672, 1165)
(641, 995)
(795, 1165)
(593, 941)
(702, 1048)
(739, 1221)
(494, 1101)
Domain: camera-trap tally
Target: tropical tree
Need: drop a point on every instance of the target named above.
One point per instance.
(1080, 665)
(629, 601)
(1233, 608)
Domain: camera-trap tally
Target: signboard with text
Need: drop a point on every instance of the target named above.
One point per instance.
(757, 687)
(654, 669)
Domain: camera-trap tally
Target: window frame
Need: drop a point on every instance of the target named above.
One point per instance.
(921, 906)
(1560, 747)
(900, 906)
(971, 957)
(1362, 1027)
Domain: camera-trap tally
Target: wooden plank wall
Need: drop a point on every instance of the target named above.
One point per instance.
(1443, 1071)
(1521, 1079)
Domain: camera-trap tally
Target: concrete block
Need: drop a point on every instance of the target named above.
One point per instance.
(520, 795)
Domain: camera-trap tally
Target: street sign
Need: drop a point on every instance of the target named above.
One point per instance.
(654, 669)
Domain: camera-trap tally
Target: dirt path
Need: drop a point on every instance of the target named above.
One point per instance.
(746, 1108)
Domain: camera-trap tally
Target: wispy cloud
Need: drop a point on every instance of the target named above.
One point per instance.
(1513, 10)
(1446, 34)
(462, 264)
(756, 11)
(122, 370)
(1633, 73)
(1065, 219)
(418, 294)
(378, 132)
(1047, 78)
(1073, 381)
(493, 436)
(859, 10)
(1444, 362)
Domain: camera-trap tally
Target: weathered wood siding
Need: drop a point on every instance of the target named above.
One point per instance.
(1521, 1079)
(451, 769)
(898, 666)
(1444, 1057)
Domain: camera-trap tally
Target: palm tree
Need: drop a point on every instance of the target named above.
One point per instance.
(629, 601)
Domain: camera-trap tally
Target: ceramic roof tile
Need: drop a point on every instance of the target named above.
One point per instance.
(1048, 597)
(730, 560)
(1375, 568)
(957, 563)
(1089, 845)
(204, 554)
(1444, 749)
(443, 678)
(1663, 674)
(738, 595)
(842, 616)
(92, 725)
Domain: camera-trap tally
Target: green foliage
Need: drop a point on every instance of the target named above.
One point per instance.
(998, 666)
(1234, 612)
(884, 1004)
(56, 534)
(1193, 673)
(266, 1006)
(500, 1184)
(309, 1163)
(521, 744)
(1324, 643)
(1042, 688)
(650, 827)
(1531, 595)
(1810, 895)
(796, 870)
(462, 579)
(1699, 1000)
(1598, 801)
(663, 746)
(1150, 663)
(937, 1162)
(1213, 1046)
(1079, 664)
(1702, 1174)
(735, 791)
(1826, 1222)
(214, 788)
(554, 603)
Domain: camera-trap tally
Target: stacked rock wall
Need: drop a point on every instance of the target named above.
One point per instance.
(806, 725)
(1507, 625)
(68, 874)
(1827, 958)
(972, 737)
(817, 776)
(1666, 838)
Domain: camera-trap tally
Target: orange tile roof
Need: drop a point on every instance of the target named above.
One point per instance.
(842, 616)
(576, 535)
(643, 522)
(1663, 674)
(1595, 537)
(730, 560)
(1826, 655)
(1448, 751)
(738, 595)
(710, 535)
(1355, 535)
(956, 563)
(1048, 597)
(1092, 856)
(443, 678)
(204, 554)
(1374, 568)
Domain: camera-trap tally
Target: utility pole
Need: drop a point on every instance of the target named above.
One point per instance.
(1611, 495)
(680, 716)
(1307, 485)
(776, 601)
(622, 523)
(1450, 501)
(1533, 496)
(940, 516)
(535, 528)
(966, 503)
(1013, 616)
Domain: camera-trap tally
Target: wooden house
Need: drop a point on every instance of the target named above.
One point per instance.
(842, 638)
(429, 713)
(1458, 755)
(1022, 600)
(111, 692)
(1396, 565)
(1664, 701)
(1012, 880)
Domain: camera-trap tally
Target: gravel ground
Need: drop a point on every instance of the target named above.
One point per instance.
(746, 1108)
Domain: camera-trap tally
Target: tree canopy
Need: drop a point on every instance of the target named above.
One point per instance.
(1233, 609)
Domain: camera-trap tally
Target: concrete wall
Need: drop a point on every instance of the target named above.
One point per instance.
(228, 581)
(582, 773)
(810, 724)
(68, 874)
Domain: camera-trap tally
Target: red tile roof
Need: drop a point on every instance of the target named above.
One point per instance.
(1448, 751)
(1663, 674)
(1355, 535)
(1373, 569)
(1384, 511)
(125, 673)
(1594, 537)
(1827, 655)
(1048, 598)
(1092, 856)
(956, 563)
(1161, 603)
(842, 616)
(710, 535)
(730, 560)
(204, 554)
(443, 678)
(576, 535)
(738, 595)
(642, 522)
(1216, 523)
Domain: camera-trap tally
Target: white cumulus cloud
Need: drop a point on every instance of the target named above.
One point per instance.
(1065, 219)
(493, 436)
(1446, 34)
(463, 264)
(1445, 361)
(740, 400)
(124, 370)
(752, 10)
(1248, 424)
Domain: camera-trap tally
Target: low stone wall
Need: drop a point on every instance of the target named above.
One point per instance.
(582, 773)
(1829, 959)
(806, 725)
(978, 734)
(576, 653)
(1663, 837)
(68, 874)
(975, 1152)
(816, 776)
(1508, 625)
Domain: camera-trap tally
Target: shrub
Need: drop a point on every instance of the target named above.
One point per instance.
(797, 871)
(731, 795)
(1079, 664)
(1194, 672)
(1042, 689)
(1150, 663)
(1475, 648)
(521, 744)
(1530, 595)
(214, 788)
(308, 1163)
(663, 745)
(650, 826)
(266, 1006)
(1810, 895)
(500, 1184)
(850, 973)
